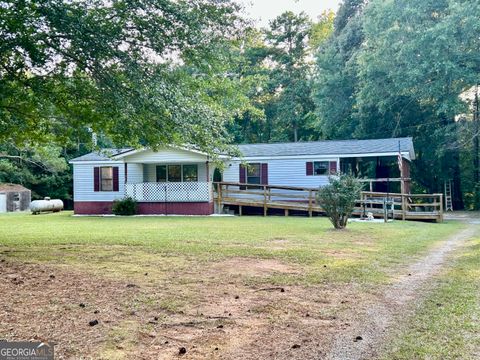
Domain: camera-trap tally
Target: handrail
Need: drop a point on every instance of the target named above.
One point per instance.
(384, 179)
(261, 186)
(263, 194)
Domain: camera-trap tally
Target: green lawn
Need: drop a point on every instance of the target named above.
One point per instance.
(210, 282)
(362, 253)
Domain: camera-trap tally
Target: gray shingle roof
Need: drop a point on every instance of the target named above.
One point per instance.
(104, 154)
(328, 147)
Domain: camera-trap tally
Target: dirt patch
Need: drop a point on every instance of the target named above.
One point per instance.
(253, 267)
(240, 322)
(44, 303)
(221, 318)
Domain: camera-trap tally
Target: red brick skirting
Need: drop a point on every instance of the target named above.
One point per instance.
(146, 208)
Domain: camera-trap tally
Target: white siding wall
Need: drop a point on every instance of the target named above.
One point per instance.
(287, 172)
(134, 173)
(165, 156)
(83, 183)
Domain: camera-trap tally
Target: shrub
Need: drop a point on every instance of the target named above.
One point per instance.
(338, 198)
(125, 206)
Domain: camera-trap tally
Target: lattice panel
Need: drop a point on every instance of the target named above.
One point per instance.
(169, 192)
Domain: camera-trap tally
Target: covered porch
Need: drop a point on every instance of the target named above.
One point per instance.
(170, 187)
(379, 173)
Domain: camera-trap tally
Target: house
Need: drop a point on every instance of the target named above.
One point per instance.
(14, 197)
(176, 180)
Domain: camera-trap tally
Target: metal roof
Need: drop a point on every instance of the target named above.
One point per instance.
(329, 147)
(326, 147)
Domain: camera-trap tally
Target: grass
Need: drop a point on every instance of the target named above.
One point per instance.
(196, 267)
(363, 253)
(447, 326)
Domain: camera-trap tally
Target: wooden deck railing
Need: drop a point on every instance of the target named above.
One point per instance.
(395, 205)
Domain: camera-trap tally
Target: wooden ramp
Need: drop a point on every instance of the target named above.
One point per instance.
(289, 198)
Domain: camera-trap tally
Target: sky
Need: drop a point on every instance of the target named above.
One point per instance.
(265, 10)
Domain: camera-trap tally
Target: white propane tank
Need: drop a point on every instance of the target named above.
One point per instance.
(47, 204)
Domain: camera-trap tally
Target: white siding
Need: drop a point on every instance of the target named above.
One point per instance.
(134, 173)
(165, 156)
(150, 173)
(287, 172)
(83, 183)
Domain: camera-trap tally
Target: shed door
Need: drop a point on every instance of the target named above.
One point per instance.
(3, 203)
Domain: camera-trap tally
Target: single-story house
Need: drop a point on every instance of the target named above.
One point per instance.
(14, 197)
(176, 180)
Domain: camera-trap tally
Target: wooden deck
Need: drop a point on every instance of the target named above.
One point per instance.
(288, 198)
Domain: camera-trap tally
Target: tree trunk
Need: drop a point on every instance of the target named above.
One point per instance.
(476, 151)
(457, 182)
(476, 140)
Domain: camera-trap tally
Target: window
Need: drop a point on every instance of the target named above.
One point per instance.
(106, 178)
(177, 173)
(174, 173)
(161, 173)
(190, 173)
(253, 174)
(320, 167)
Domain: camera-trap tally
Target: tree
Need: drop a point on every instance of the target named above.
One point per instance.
(336, 80)
(321, 30)
(43, 169)
(142, 72)
(424, 54)
(400, 68)
(277, 60)
(338, 198)
(288, 38)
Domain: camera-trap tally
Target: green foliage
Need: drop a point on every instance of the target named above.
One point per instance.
(278, 59)
(322, 29)
(43, 169)
(338, 198)
(336, 75)
(125, 206)
(401, 68)
(142, 72)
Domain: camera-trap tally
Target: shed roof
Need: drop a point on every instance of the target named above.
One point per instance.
(12, 188)
(329, 147)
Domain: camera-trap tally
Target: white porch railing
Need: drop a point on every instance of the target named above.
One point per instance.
(170, 192)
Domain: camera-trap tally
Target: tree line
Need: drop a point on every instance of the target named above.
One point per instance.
(147, 73)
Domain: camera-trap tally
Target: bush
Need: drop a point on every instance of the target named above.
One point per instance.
(338, 198)
(126, 206)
